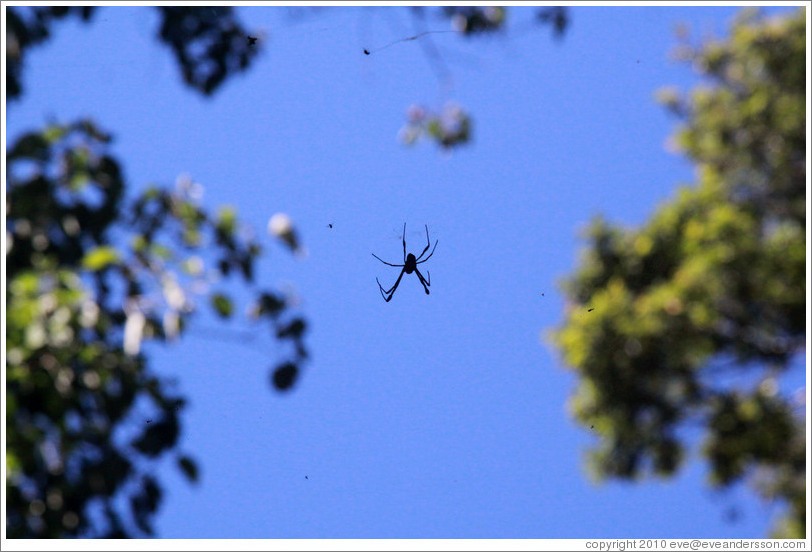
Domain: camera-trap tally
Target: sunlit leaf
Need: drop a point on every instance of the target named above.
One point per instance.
(100, 258)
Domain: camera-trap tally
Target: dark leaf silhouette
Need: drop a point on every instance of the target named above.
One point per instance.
(271, 305)
(285, 376)
(27, 27)
(189, 468)
(555, 16)
(295, 329)
(159, 436)
(145, 503)
(208, 43)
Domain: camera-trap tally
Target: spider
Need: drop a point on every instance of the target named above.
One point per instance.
(409, 265)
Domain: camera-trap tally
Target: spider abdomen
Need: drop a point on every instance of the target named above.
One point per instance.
(411, 263)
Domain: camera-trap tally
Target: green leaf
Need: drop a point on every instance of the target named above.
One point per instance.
(222, 305)
(227, 219)
(54, 133)
(161, 251)
(100, 258)
(138, 243)
(78, 180)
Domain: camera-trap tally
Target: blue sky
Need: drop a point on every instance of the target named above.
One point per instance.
(440, 416)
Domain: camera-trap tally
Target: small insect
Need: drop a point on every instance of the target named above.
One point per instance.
(409, 265)
(542, 294)
(306, 477)
(590, 310)
(329, 226)
(366, 51)
(252, 40)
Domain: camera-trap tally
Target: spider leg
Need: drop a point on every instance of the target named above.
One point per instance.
(428, 242)
(384, 262)
(380, 287)
(430, 254)
(423, 280)
(404, 243)
(391, 291)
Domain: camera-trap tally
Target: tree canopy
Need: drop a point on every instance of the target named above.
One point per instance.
(91, 274)
(691, 319)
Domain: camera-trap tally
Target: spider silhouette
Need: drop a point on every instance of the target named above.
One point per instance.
(409, 265)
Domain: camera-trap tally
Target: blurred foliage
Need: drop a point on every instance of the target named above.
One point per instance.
(208, 42)
(698, 312)
(557, 17)
(26, 28)
(473, 20)
(210, 45)
(86, 417)
(79, 308)
(450, 128)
